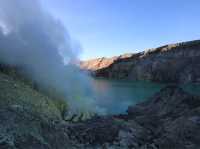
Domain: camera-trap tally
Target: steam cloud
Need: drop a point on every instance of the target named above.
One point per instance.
(33, 40)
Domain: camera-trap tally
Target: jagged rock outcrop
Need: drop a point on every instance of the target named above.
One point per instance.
(177, 63)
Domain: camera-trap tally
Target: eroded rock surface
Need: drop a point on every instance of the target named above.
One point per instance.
(177, 63)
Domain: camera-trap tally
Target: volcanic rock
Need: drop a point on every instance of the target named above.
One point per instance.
(176, 63)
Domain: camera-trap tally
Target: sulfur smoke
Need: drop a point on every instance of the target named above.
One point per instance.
(33, 40)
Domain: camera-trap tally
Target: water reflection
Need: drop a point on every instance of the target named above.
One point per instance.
(115, 96)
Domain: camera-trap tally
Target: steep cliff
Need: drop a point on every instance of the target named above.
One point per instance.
(178, 63)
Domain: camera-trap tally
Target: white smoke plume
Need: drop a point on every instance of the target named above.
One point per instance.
(39, 44)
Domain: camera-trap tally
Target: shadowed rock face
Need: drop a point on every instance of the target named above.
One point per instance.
(178, 63)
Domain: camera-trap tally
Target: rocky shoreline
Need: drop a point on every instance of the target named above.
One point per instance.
(168, 120)
(177, 63)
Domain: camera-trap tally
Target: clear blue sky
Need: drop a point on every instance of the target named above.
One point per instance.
(113, 27)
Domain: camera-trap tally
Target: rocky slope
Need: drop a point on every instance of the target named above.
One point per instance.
(177, 63)
(168, 120)
(30, 120)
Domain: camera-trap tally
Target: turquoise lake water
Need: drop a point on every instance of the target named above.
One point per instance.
(115, 96)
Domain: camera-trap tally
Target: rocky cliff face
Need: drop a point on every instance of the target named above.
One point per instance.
(178, 63)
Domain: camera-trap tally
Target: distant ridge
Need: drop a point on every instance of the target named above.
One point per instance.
(152, 64)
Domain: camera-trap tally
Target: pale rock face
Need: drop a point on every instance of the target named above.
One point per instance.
(177, 63)
(96, 64)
